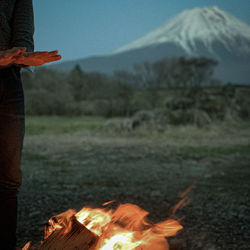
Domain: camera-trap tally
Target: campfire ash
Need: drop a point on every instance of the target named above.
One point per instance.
(125, 228)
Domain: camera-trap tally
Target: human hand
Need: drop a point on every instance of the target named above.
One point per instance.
(7, 57)
(37, 58)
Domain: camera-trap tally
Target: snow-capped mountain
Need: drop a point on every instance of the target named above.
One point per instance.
(205, 25)
(206, 31)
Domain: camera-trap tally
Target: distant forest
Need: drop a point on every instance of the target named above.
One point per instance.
(174, 91)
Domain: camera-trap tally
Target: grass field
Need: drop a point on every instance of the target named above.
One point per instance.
(55, 125)
(75, 162)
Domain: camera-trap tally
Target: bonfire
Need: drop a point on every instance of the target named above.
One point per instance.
(124, 228)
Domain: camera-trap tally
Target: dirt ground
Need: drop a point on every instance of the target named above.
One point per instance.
(87, 168)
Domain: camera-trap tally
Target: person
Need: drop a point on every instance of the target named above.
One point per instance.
(16, 52)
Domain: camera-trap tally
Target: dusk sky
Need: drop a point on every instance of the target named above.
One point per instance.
(82, 28)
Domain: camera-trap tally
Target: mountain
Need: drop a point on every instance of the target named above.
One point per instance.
(206, 31)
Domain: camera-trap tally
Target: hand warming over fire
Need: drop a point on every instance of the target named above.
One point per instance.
(7, 57)
(37, 58)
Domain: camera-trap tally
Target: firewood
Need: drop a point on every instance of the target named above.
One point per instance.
(78, 237)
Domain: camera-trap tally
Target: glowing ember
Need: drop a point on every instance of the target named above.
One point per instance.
(125, 228)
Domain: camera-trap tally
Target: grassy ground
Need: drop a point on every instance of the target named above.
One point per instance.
(59, 125)
(74, 162)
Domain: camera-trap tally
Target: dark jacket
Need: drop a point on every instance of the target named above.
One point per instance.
(16, 24)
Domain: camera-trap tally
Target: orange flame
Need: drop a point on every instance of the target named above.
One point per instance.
(127, 228)
(94, 220)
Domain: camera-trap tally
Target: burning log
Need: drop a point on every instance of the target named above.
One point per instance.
(79, 237)
(64, 231)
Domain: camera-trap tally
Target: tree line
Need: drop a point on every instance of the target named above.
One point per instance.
(171, 83)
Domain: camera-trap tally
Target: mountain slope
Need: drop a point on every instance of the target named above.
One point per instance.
(206, 31)
(199, 24)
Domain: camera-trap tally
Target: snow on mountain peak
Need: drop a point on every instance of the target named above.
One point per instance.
(205, 24)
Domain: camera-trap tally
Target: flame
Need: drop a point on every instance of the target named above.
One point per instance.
(127, 228)
(94, 220)
(167, 228)
(108, 203)
(120, 239)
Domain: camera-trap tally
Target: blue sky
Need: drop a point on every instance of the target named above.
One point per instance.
(81, 28)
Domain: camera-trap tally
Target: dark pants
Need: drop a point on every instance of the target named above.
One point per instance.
(11, 140)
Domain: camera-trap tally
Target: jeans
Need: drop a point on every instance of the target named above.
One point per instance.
(11, 141)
